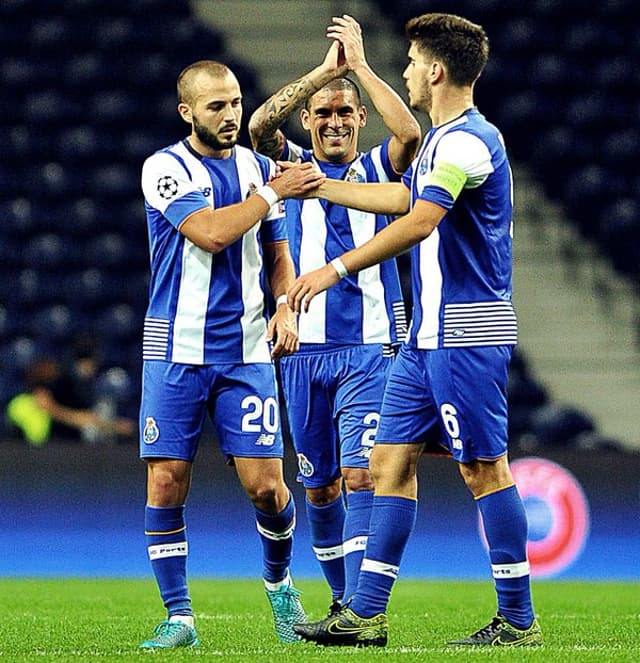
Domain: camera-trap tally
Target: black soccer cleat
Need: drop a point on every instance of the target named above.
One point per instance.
(499, 633)
(346, 629)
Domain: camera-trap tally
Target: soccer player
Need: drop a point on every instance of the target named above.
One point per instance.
(215, 230)
(333, 385)
(447, 388)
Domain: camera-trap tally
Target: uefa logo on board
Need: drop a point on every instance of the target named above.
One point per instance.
(557, 511)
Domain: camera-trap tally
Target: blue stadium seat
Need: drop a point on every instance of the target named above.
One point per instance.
(116, 385)
(120, 322)
(108, 250)
(115, 181)
(55, 323)
(554, 425)
(48, 251)
(114, 107)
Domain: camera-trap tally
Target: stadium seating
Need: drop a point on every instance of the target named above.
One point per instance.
(89, 93)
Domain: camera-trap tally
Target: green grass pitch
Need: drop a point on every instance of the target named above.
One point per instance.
(104, 620)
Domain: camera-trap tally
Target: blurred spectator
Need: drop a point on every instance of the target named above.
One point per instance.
(59, 403)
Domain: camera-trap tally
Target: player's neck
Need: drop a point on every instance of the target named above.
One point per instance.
(450, 105)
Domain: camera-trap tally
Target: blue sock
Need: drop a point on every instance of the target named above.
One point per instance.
(391, 524)
(276, 534)
(505, 526)
(356, 529)
(167, 546)
(326, 524)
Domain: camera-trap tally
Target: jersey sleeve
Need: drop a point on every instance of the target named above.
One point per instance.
(385, 161)
(167, 187)
(461, 161)
(292, 152)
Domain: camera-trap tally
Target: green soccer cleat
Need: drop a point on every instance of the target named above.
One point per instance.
(287, 611)
(346, 629)
(499, 633)
(168, 635)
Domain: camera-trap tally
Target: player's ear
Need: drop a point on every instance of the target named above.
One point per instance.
(185, 112)
(362, 113)
(304, 118)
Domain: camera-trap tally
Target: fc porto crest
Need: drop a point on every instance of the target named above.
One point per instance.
(151, 431)
(305, 466)
(354, 176)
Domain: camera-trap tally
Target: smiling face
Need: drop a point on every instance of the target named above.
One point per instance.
(213, 107)
(334, 119)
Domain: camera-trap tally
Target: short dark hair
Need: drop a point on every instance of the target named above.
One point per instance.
(462, 46)
(186, 76)
(338, 84)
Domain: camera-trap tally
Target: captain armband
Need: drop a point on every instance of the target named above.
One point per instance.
(448, 177)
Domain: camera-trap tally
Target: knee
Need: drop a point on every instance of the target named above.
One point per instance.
(167, 482)
(356, 478)
(268, 496)
(324, 495)
(483, 477)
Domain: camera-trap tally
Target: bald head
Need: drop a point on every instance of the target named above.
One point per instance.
(188, 80)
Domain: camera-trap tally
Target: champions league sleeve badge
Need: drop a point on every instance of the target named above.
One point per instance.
(151, 431)
(167, 187)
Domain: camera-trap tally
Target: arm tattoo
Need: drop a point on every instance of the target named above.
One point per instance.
(275, 110)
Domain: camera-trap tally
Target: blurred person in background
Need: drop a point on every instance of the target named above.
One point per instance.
(60, 400)
(217, 239)
(333, 385)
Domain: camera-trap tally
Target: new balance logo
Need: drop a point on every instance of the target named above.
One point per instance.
(265, 440)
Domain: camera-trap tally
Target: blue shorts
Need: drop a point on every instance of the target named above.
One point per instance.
(241, 400)
(333, 396)
(454, 400)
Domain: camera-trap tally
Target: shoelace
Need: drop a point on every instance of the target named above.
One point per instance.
(167, 628)
(491, 628)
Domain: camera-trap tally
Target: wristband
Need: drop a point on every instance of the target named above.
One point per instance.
(338, 265)
(282, 299)
(268, 195)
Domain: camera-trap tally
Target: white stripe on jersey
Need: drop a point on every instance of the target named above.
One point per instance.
(193, 294)
(375, 321)
(312, 324)
(191, 310)
(431, 293)
(252, 321)
(479, 323)
(155, 338)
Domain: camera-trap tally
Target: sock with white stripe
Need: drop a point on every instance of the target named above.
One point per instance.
(167, 546)
(326, 524)
(276, 534)
(505, 526)
(391, 524)
(356, 529)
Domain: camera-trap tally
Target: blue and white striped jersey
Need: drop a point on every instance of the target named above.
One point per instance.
(362, 308)
(205, 308)
(461, 274)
